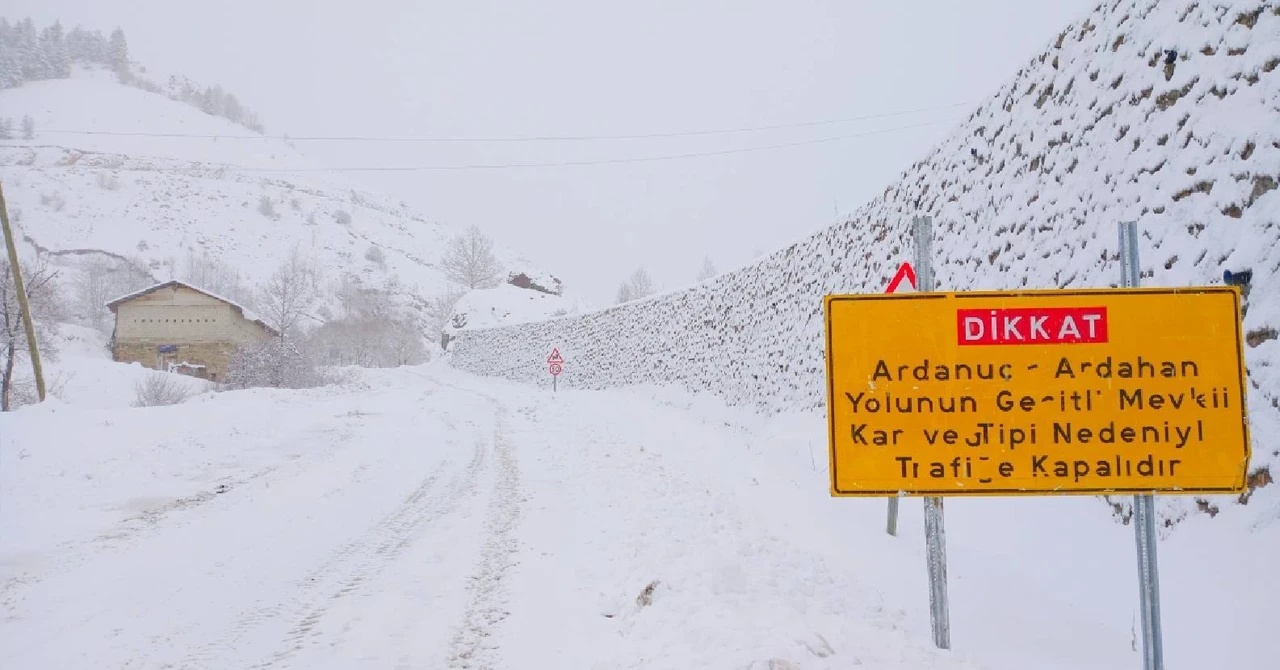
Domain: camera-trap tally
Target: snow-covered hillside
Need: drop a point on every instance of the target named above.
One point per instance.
(1165, 113)
(110, 169)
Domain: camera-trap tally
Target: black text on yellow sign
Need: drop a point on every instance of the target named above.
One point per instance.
(1037, 392)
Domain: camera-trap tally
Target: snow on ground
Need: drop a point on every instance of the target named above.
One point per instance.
(82, 375)
(423, 517)
(507, 304)
(138, 123)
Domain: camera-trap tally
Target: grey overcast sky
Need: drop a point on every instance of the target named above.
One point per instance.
(483, 68)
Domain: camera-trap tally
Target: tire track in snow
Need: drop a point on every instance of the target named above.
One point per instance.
(246, 623)
(369, 565)
(487, 607)
(345, 570)
(148, 523)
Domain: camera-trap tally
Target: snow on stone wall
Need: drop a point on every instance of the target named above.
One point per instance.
(1167, 113)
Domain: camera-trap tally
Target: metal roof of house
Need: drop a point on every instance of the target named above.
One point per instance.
(244, 311)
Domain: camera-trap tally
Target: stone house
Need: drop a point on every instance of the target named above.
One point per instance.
(178, 327)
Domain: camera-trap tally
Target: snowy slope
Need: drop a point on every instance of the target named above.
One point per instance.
(1025, 193)
(507, 304)
(157, 199)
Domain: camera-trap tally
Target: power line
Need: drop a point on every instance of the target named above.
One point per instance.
(499, 166)
(533, 138)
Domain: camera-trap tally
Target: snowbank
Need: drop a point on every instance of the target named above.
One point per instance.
(506, 304)
(83, 376)
(1026, 193)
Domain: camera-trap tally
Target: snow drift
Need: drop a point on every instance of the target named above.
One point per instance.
(1164, 113)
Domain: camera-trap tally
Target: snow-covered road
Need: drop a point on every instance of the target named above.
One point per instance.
(432, 521)
(425, 518)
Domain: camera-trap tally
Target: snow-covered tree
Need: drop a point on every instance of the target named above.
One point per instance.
(371, 328)
(45, 300)
(708, 270)
(26, 44)
(211, 101)
(53, 52)
(440, 309)
(289, 295)
(470, 261)
(10, 63)
(102, 279)
(232, 109)
(216, 276)
(28, 128)
(6, 128)
(118, 52)
(274, 363)
(637, 286)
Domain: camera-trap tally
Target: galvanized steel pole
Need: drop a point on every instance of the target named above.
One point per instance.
(1144, 512)
(934, 529)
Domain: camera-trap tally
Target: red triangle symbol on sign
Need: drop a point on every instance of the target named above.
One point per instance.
(555, 356)
(905, 271)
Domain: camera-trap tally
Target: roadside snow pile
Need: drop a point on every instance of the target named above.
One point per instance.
(1161, 112)
(506, 304)
(83, 376)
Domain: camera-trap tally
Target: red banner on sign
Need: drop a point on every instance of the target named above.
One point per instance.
(1049, 325)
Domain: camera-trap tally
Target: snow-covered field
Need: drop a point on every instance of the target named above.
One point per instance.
(422, 517)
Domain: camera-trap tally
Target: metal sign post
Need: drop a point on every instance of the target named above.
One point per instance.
(555, 363)
(935, 532)
(905, 274)
(1144, 512)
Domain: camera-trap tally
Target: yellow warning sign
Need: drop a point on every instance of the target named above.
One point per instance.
(1037, 392)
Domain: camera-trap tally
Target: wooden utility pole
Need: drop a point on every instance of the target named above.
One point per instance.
(21, 290)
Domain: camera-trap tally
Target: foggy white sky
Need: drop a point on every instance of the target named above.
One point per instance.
(576, 67)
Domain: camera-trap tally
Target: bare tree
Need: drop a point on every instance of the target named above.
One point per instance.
(46, 303)
(708, 270)
(626, 293)
(440, 308)
(28, 128)
(470, 261)
(159, 389)
(290, 293)
(102, 279)
(217, 276)
(637, 286)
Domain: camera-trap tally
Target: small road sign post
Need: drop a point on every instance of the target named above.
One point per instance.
(1039, 392)
(904, 281)
(555, 365)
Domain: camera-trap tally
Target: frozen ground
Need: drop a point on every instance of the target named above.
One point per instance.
(425, 518)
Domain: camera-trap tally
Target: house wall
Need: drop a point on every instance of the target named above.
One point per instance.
(206, 331)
